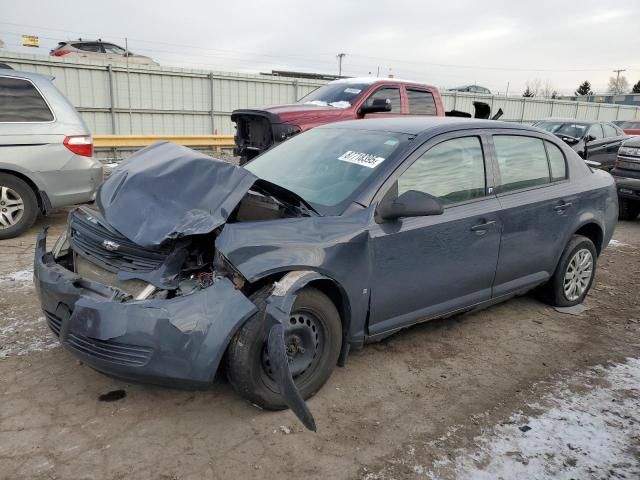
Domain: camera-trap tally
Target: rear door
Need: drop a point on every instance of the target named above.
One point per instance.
(536, 209)
(426, 266)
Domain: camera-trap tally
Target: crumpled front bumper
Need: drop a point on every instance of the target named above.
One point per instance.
(176, 342)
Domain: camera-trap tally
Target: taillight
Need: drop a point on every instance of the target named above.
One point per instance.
(59, 53)
(80, 145)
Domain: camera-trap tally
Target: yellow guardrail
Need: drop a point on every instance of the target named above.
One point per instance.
(133, 141)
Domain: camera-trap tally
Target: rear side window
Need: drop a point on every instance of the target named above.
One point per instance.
(20, 101)
(88, 47)
(453, 171)
(522, 162)
(421, 102)
(609, 130)
(392, 93)
(557, 162)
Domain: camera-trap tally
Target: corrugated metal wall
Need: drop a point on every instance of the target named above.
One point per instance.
(173, 101)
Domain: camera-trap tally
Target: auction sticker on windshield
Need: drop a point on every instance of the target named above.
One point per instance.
(360, 158)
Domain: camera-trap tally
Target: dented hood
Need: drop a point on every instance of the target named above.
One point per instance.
(167, 191)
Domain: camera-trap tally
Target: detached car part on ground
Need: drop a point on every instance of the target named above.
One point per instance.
(257, 130)
(627, 176)
(341, 236)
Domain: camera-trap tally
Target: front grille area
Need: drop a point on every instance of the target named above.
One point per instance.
(110, 351)
(54, 322)
(254, 131)
(89, 239)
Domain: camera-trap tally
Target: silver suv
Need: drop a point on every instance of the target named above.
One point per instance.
(46, 152)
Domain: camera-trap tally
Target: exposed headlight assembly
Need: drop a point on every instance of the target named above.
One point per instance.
(629, 151)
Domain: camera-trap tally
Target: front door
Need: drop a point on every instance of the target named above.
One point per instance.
(597, 148)
(427, 266)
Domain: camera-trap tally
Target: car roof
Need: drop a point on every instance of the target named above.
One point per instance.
(419, 125)
(28, 75)
(372, 80)
(570, 120)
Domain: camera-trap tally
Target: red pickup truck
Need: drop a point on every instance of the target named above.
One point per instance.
(344, 99)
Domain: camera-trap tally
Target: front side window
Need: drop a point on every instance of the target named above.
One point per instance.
(522, 162)
(453, 171)
(20, 101)
(392, 93)
(113, 49)
(596, 131)
(421, 102)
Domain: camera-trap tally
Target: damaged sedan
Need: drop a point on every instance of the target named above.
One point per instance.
(271, 273)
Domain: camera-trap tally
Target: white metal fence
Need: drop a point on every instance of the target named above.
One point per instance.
(145, 100)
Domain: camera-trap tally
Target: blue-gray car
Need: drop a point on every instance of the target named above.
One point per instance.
(271, 273)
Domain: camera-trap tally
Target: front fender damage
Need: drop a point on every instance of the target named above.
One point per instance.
(276, 317)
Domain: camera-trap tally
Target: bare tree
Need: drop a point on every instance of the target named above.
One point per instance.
(548, 91)
(533, 87)
(618, 85)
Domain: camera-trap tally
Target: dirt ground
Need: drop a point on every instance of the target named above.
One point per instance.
(395, 401)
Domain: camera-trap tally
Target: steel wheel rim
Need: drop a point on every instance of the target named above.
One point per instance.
(11, 207)
(304, 340)
(578, 274)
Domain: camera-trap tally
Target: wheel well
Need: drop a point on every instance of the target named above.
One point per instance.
(594, 233)
(29, 182)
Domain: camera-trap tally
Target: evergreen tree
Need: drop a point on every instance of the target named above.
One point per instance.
(636, 88)
(584, 89)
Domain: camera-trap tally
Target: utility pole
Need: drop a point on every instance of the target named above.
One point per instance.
(340, 56)
(617, 72)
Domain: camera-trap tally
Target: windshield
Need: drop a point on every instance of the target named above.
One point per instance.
(570, 129)
(340, 95)
(325, 166)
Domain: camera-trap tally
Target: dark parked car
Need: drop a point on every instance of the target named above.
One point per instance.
(338, 237)
(627, 176)
(595, 141)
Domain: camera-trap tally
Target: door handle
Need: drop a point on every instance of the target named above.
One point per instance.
(562, 207)
(482, 227)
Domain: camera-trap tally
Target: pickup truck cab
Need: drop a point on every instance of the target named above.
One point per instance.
(258, 130)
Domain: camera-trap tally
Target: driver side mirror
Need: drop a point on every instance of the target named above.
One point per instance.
(589, 138)
(378, 105)
(411, 203)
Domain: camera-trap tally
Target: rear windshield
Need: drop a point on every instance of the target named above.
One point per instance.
(20, 101)
(325, 166)
(569, 129)
(340, 95)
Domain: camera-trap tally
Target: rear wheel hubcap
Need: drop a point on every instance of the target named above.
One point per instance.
(578, 274)
(11, 207)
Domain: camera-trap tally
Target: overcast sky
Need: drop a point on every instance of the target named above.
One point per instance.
(491, 42)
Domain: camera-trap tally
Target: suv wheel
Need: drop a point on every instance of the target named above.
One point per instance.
(574, 275)
(628, 209)
(18, 206)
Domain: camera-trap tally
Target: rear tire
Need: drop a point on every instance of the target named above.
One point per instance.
(18, 206)
(246, 359)
(628, 209)
(574, 274)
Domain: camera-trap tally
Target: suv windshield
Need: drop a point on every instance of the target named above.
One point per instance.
(325, 166)
(340, 95)
(570, 129)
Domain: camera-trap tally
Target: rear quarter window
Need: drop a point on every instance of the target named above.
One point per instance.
(20, 101)
(557, 162)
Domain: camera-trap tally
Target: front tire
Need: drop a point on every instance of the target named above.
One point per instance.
(574, 275)
(18, 206)
(313, 339)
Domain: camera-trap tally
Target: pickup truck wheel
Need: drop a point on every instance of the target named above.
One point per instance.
(313, 339)
(628, 209)
(18, 206)
(574, 275)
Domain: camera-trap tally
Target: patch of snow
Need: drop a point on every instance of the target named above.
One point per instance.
(617, 243)
(591, 434)
(20, 337)
(21, 276)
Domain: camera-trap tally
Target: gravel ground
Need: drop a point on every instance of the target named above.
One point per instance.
(518, 390)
